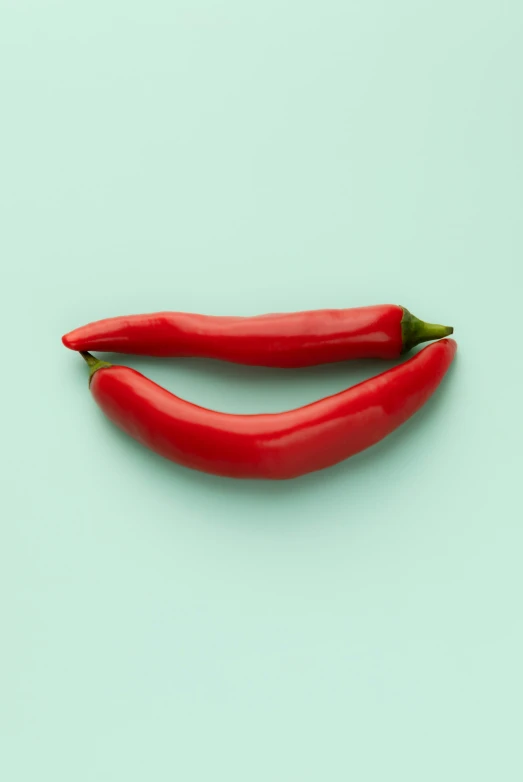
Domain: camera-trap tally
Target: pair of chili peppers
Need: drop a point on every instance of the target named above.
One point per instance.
(280, 445)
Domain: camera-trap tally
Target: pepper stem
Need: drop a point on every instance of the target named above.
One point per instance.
(414, 331)
(93, 363)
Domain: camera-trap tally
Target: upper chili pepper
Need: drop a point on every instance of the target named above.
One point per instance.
(280, 445)
(296, 339)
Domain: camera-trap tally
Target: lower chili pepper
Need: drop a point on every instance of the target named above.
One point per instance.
(275, 445)
(295, 339)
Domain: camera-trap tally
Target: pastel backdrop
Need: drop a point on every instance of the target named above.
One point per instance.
(237, 158)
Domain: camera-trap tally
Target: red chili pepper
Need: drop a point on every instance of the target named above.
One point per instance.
(296, 339)
(280, 445)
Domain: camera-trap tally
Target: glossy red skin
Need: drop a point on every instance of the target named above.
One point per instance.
(296, 339)
(276, 446)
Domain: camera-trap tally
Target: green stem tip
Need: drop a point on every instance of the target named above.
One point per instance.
(93, 363)
(414, 331)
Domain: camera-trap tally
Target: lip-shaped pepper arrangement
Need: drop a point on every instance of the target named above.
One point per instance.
(277, 445)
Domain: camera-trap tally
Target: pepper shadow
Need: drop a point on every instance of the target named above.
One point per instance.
(307, 384)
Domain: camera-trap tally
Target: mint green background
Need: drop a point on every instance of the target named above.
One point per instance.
(236, 157)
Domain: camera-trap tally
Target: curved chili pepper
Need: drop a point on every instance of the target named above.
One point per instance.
(296, 339)
(276, 445)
